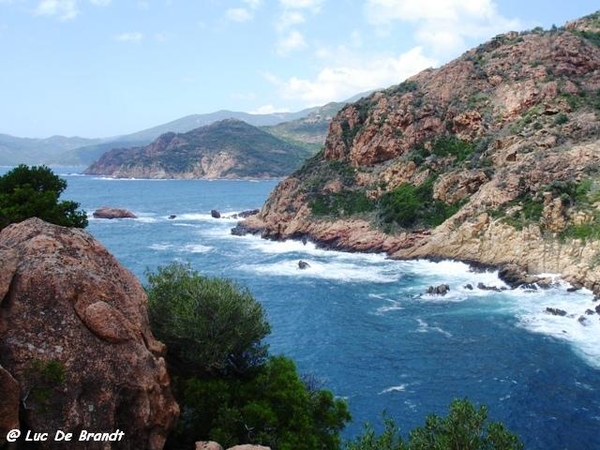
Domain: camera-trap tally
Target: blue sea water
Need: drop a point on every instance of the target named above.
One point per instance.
(361, 323)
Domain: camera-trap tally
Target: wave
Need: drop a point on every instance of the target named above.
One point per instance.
(330, 270)
(424, 327)
(540, 312)
(399, 388)
(188, 248)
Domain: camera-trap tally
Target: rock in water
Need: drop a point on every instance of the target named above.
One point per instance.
(74, 334)
(303, 265)
(113, 213)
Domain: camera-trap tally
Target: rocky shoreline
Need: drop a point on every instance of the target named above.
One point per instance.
(359, 236)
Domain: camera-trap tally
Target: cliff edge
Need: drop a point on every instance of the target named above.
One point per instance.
(492, 158)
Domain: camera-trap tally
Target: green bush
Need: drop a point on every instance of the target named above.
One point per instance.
(466, 428)
(210, 325)
(341, 204)
(409, 206)
(229, 389)
(34, 192)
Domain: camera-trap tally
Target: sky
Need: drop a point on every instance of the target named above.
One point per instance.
(101, 68)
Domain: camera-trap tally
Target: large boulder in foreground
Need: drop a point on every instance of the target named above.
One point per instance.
(75, 336)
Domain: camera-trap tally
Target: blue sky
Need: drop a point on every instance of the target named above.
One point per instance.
(99, 68)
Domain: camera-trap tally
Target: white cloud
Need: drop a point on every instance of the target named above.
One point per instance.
(343, 81)
(130, 36)
(100, 2)
(293, 41)
(239, 14)
(268, 109)
(441, 25)
(63, 9)
(289, 19)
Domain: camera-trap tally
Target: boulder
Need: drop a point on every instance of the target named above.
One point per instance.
(215, 214)
(9, 406)
(485, 287)
(249, 212)
(75, 336)
(442, 289)
(113, 213)
(208, 445)
(249, 447)
(303, 265)
(556, 311)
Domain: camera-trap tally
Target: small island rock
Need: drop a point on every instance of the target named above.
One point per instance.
(113, 213)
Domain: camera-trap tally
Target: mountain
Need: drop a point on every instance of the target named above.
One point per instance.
(15, 150)
(492, 158)
(60, 150)
(229, 148)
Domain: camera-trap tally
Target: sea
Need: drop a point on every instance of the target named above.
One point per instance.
(363, 325)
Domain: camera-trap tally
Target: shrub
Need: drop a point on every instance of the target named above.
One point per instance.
(466, 428)
(409, 206)
(229, 389)
(345, 203)
(211, 325)
(34, 192)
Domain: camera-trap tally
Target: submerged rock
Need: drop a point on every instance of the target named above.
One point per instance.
(74, 335)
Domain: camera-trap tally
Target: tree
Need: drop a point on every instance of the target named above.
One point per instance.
(211, 326)
(466, 428)
(34, 192)
(229, 389)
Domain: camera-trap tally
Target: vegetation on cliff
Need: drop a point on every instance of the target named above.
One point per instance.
(34, 192)
(229, 388)
(226, 149)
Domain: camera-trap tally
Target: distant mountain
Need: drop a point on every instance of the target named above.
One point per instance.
(52, 150)
(229, 148)
(308, 126)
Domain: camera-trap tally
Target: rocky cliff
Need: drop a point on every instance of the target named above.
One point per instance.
(226, 149)
(76, 351)
(492, 158)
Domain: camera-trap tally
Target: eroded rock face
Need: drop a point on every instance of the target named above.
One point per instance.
(74, 334)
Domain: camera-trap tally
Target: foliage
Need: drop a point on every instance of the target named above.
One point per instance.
(228, 387)
(390, 439)
(409, 206)
(453, 146)
(211, 325)
(340, 204)
(273, 407)
(34, 192)
(465, 427)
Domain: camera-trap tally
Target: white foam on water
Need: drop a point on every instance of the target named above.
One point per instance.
(424, 327)
(580, 329)
(399, 388)
(196, 248)
(161, 247)
(330, 270)
(392, 305)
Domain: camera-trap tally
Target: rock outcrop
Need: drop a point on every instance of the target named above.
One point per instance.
(492, 159)
(75, 343)
(113, 213)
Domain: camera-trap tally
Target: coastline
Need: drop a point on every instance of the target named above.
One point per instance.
(496, 248)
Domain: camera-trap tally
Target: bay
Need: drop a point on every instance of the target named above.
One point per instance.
(360, 322)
